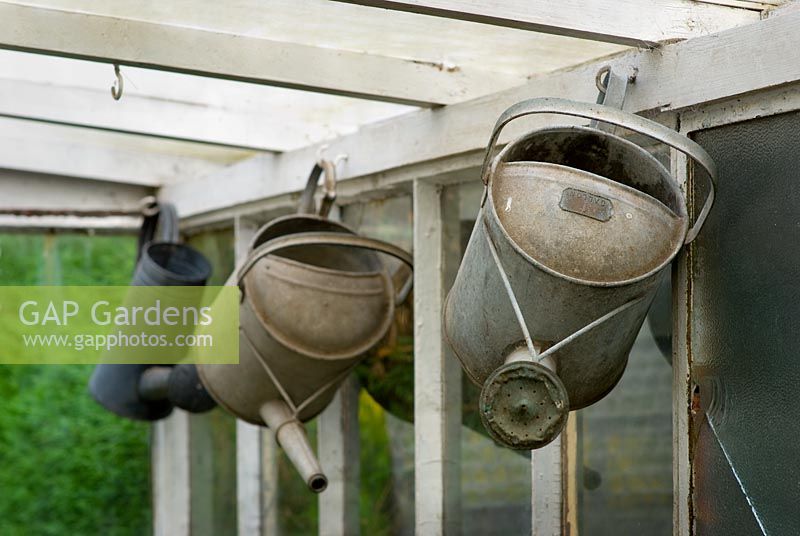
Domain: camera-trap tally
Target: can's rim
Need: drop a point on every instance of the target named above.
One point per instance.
(572, 279)
(500, 159)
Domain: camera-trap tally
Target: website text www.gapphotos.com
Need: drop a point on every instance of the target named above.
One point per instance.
(117, 340)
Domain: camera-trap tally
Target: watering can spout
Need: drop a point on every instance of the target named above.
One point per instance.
(291, 436)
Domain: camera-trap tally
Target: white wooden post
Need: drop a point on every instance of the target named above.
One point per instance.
(269, 484)
(339, 450)
(437, 374)
(546, 488)
(256, 466)
(681, 393)
(171, 459)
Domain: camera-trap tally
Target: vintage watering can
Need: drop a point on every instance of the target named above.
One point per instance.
(576, 231)
(315, 298)
(148, 392)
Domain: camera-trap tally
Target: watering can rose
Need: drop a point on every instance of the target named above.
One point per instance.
(137, 324)
(102, 313)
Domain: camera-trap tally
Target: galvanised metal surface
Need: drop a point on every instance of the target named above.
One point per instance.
(577, 229)
(315, 299)
(310, 312)
(121, 388)
(524, 405)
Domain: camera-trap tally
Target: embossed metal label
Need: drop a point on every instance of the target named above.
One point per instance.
(586, 204)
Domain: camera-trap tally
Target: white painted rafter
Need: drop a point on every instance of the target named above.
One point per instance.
(69, 152)
(242, 58)
(157, 118)
(175, 106)
(674, 77)
(627, 22)
(48, 196)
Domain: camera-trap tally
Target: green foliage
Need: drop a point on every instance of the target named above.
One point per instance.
(376, 469)
(66, 465)
(388, 376)
(217, 246)
(298, 508)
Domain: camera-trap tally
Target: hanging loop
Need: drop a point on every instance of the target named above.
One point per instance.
(116, 89)
(307, 204)
(601, 79)
(329, 188)
(148, 206)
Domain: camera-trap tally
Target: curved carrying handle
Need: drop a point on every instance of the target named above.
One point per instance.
(331, 239)
(157, 215)
(617, 117)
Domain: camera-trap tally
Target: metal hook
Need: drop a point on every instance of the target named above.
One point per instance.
(116, 89)
(321, 153)
(149, 206)
(342, 157)
(601, 84)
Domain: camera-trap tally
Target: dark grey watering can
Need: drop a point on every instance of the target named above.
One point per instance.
(576, 231)
(147, 392)
(315, 298)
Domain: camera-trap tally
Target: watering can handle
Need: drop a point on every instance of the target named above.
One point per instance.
(157, 215)
(617, 117)
(331, 239)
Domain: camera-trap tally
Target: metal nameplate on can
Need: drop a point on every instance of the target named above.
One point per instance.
(586, 204)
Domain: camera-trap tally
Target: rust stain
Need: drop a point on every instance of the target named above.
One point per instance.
(438, 65)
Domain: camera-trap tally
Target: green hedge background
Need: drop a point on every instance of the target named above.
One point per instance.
(67, 466)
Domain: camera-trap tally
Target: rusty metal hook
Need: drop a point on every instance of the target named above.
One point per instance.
(148, 206)
(116, 89)
(336, 160)
(599, 82)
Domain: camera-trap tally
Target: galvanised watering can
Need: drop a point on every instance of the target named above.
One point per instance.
(576, 231)
(147, 392)
(315, 298)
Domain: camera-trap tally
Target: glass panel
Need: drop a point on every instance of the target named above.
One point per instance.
(624, 443)
(495, 481)
(745, 305)
(214, 433)
(217, 246)
(387, 404)
(67, 466)
(625, 450)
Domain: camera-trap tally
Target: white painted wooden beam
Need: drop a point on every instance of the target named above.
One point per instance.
(547, 489)
(673, 77)
(256, 449)
(248, 436)
(171, 473)
(682, 479)
(248, 479)
(69, 152)
(270, 126)
(159, 118)
(626, 22)
(269, 484)
(115, 224)
(437, 374)
(339, 449)
(32, 194)
(237, 57)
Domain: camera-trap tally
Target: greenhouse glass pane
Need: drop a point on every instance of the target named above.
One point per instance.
(745, 311)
